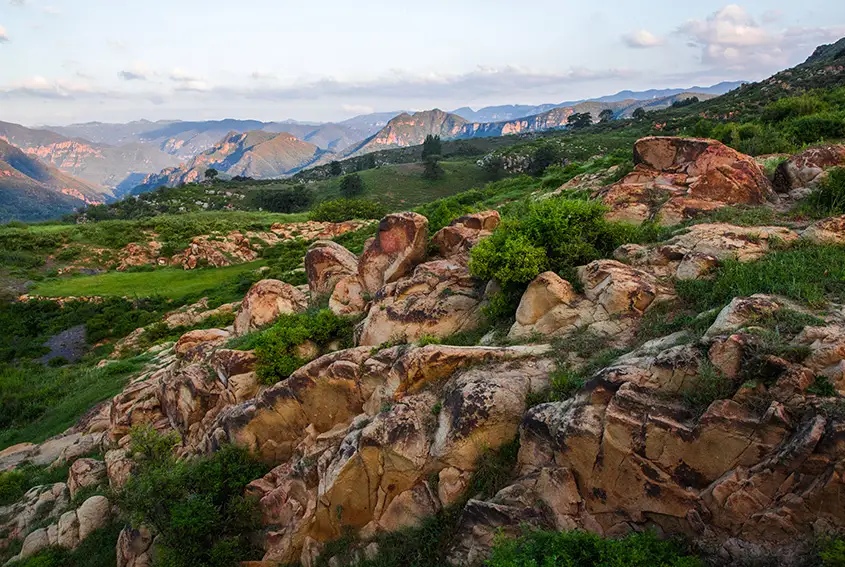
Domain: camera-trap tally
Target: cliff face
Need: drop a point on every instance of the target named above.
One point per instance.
(412, 129)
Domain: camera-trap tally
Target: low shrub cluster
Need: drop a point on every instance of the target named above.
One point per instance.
(14, 483)
(197, 507)
(829, 198)
(339, 210)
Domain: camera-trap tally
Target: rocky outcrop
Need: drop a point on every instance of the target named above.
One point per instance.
(826, 231)
(678, 178)
(265, 302)
(135, 548)
(614, 299)
(85, 473)
(440, 298)
(326, 263)
(216, 252)
(198, 313)
(807, 168)
(192, 344)
(399, 245)
(465, 232)
(348, 297)
(72, 528)
(703, 247)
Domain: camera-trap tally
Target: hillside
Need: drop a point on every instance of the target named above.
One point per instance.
(411, 130)
(32, 190)
(257, 154)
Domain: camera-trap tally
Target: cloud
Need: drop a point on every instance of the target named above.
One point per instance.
(17, 2)
(52, 10)
(138, 72)
(357, 108)
(641, 39)
(40, 87)
(261, 76)
(187, 81)
(3, 35)
(731, 38)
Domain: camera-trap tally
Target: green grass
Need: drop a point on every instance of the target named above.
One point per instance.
(38, 402)
(807, 273)
(170, 282)
(97, 550)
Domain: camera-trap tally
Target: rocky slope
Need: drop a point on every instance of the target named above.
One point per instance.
(31, 190)
(411, 130)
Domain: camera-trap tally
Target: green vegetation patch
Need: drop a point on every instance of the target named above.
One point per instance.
(97, 550)
(16, 482)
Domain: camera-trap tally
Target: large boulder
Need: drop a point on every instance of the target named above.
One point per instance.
(326, 263)
(265, 302)
(85, 473)
(399, 246)
(348, 297)
(464, 233)
(440, 298)
(678, 178)
(193, 344)
(614, 299)
(826, 231)
(807, 168)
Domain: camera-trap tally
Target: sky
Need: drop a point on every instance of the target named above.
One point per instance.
(66, 61)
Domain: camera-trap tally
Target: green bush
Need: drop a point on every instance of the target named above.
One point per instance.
(829, 198)
(790, 107)
(351, 186)
(340, 210)
(97, 550)
(197, 507)
(275, 348)
(14, 483)
(574, 549)
(817, 127)
(284, 200)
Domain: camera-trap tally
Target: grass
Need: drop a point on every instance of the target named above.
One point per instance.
(97, 550)
(169, 282)
(39, 402)
(15, 483)
(807, 273)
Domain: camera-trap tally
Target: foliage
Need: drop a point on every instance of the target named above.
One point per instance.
(335, 168)
(606, 115)
(829, 198)
(576, 548)
(579, 120)
(14, 483)
(805, 272)
(494, 469)
(276, 348)
(351, 186)
(833, 553)
(710, 385)
(431, 168)
(211, 174)
(197, 507)
(432, 146)
(97, 550)
(354, 241)
(340, 210)
(286, 200)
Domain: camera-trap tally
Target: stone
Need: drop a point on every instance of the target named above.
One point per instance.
(397, 248)
(440, 298)
(740, 311)
(191, 343)
(68, 530)
(348, 297)
(118, 467)
(807, 168)
(678, 178)
(93, 514)
(326, 263)
(265, 302)
(827, 231)
(85, 473)
(465, 232)
(34, 542)
(134, 547)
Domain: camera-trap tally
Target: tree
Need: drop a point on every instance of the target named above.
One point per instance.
(606, 115)
(432, 169)
(432, 147)
(580, 120)
(639, 113)
(367, 161)
(335, 168)
(544, 155)
(351, 186)
(211, 174)
(291, 200)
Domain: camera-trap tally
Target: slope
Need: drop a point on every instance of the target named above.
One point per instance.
(411, 130)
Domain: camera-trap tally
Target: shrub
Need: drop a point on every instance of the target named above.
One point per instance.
(829, 198)
(817, 127)
(576, 548)
(197, 507)
(351, 186)
(276, 348)
(340, 210)
(790, 107)
(286, 200)
(14, 483)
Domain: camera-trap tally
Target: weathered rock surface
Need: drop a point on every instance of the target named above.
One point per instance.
(134, 548)
(826, 231)
(399, 246)
(348, 297)
(614, 299)
(265, 302)
(192, 344)
(697, 251)
(807, 168)
(678, 178)
(71, 529)
(326, 263)
(440, 298)
(85, 473)
(465, 232)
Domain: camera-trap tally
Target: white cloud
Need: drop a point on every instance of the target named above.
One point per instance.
(52, 10)
(261, 76)
(642, 39)
(357, 108)
(732, 38)
(4, 37)
(138, 72)
(17, 2)
(40, 87)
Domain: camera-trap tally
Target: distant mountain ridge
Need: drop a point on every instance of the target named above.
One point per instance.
(32, 190)
(258, 154)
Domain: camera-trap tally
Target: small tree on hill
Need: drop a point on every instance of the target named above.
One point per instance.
(580, 120)
(351, 186)
(432, 169)
(606, 115)
(639, 113)
(432, 146)
(335, 168)
(367, 161)
(211, 174)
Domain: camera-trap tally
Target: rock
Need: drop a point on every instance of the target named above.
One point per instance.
(807, 168)
(827, 231)
(347, 298)
(326, 263)
(190, 345)
(399, 246)
(11, 457)
(118, 468)
(216, 251)
(84, 473)
(39, 505)
(440, 298)
(740, 311)
(68, 530)
(134, 548)
(615, 298)
(464, 233)
(93, 515)
(678, 178)
(265, 302)
(34, 542)
(197, 313)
